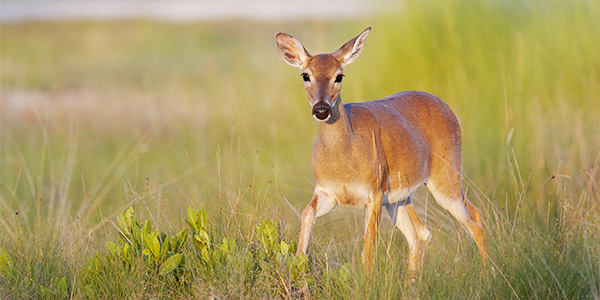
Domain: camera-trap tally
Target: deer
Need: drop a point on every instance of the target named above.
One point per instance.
(375, 154)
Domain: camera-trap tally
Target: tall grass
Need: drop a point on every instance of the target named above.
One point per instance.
(96, 117)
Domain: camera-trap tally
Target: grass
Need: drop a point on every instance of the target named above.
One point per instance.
(96, 117)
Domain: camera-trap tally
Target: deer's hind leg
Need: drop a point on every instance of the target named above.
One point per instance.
(417, 235)
(446, 187)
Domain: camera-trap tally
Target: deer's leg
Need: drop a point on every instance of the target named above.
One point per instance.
(320, 204)
(417, 235)
(372, 217)
(476, 227)
(447, 191)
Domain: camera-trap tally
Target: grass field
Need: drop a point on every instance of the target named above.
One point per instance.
(97, 117)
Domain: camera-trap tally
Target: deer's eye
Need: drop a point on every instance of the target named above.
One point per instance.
(305, 77)
(339, 78)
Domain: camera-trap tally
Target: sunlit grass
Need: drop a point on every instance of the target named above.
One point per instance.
(96, 117)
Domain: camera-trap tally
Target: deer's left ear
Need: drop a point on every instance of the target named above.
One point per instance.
(351, 50)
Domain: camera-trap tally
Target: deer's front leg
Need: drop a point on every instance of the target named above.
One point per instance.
(320, 204)
(372, 217)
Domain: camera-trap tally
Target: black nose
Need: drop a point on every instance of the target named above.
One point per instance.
(321, 111)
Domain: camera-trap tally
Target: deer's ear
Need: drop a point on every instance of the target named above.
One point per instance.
(291, 50)
(351, 50)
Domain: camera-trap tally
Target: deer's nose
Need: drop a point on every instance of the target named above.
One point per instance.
(321, 111)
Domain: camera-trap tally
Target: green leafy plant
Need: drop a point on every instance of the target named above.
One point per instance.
(275, 250)
(159, 254)
(160, 251)
(213, 257)
(164, 256)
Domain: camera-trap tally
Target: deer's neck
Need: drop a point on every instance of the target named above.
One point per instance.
(337, 131)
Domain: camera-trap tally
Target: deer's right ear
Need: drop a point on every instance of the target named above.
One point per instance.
(291, 50)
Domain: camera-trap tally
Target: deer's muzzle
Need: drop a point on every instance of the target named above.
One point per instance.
(321, 111)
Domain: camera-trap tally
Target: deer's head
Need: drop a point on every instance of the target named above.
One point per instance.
(323, 73)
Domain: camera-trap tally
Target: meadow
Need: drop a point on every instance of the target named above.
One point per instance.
(206, 134)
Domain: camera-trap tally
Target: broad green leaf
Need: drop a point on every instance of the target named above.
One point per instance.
(125, 219)
(203, 236)
(125, 251)
(284, 248)
(267, 234)
(191, 213)
(205, 255)
(137, 235)
(112, 247)
(198, 243)
(122, 223)
(165, 247)
(146, 229)
(171, 264)
(154, 246)
(202, 218)
(129, 213)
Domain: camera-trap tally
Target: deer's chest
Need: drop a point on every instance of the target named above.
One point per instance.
(348, 181)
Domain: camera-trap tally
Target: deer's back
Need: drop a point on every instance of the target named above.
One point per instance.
(412, 127)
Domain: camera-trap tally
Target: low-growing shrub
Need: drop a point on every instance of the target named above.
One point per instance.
(168, 264)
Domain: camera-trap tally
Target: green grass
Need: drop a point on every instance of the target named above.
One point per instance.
(96, 117)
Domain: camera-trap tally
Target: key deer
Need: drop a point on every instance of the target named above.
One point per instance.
(375, 154)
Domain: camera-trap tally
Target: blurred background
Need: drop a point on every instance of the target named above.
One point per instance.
(190, 11)
(151, 90)
(162, 105)
(192, 76)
